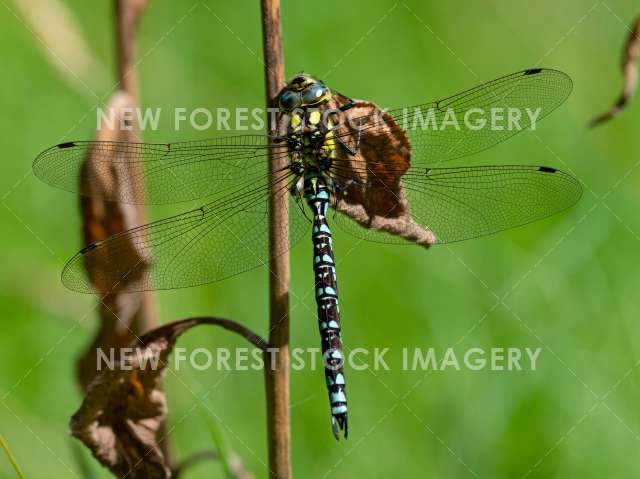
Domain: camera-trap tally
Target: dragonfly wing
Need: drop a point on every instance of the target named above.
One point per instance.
(471, 121)
(218, 240)
(456, 204)
(165, 172)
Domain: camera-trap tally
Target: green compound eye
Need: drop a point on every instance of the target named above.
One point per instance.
(290, 100)
(314, 93)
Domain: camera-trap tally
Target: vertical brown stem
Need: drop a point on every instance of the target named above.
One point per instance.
(128, 13)
(127, 16)
(123, 317)
(277, 371)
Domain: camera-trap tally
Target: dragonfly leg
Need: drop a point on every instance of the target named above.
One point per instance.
(298, 198)
(347, 106)
(339, 189)
(351, 151)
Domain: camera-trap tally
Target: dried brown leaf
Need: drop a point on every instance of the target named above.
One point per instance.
(630, 72)
(376, 199)
(122, 413)
(122, 316)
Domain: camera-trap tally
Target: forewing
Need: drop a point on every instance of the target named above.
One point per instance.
(456, 204)
(201, 246)
(453, 127)
(165, 172)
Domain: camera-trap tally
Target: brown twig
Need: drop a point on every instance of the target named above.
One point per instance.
(228, 324)
(123, 317)
(128, 13)
(630, 71)
(277, 373)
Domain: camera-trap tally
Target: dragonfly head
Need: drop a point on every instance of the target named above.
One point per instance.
(301, 91)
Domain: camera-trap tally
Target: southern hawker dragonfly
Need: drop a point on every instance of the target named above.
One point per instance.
(379, 170)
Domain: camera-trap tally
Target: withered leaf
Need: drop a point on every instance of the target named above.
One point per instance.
(122, 316)
(630, 55)
(376, 198)
(120, 417)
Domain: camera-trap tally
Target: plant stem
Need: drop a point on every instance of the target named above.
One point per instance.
(194, 459)
(122, 317)
(128, 14)
(228, 324)
(277, 367)
(12, 459)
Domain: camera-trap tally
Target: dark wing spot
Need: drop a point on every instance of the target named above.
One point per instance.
(547, 169)
(68, 144)
(88, 248)
(532, 71)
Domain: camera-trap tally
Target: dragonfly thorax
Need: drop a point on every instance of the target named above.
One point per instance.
(309, 135)
(310, 142)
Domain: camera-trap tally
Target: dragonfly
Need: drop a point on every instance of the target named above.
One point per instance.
(380, 171)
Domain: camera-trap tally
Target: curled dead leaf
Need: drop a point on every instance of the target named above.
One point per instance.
(122, 316)
(122, 413)
(630, 55)
(374, 196)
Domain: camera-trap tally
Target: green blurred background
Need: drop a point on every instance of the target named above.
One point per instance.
(568, 284)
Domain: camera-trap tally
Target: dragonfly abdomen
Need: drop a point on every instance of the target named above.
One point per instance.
(326, 291)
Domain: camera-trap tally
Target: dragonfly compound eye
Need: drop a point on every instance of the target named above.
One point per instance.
(290, 100)
(314, 93)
